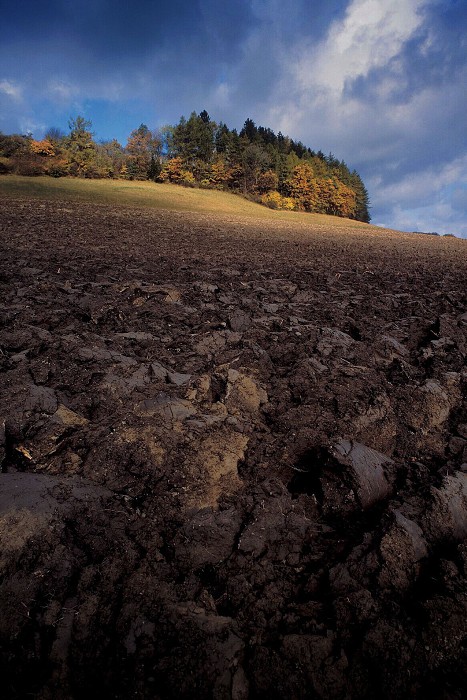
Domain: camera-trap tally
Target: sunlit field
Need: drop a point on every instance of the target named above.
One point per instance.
(155, 196)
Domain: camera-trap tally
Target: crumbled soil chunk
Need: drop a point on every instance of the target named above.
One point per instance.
(233, 458)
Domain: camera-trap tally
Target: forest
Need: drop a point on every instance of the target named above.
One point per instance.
(270, 168)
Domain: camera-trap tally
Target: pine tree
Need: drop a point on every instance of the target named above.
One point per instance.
(80, 147)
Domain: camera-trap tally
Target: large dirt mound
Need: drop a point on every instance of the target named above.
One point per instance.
(234, 458)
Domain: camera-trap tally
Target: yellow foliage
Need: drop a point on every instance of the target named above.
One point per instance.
(187, 177)
(288, 203)
(220, 173)
(274, 200)
(174, 169)
(42, 148)
(271, 199)
(323, 195)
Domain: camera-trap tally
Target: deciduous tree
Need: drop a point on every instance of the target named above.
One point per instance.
(143, 149)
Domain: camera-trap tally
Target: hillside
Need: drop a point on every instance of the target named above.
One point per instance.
(269, 168)
(154, 196)
(235, 449)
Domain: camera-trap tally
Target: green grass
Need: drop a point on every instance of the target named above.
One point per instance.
(153, 195)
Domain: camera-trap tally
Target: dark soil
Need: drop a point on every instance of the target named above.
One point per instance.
(234, 458)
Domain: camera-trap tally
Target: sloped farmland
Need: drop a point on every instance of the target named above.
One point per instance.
(234, 457)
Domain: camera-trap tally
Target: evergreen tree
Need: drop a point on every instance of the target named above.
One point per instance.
(222, 138)
(249, 131)
(362, 209)
(193, 139)
(154, 169)
(80, 147)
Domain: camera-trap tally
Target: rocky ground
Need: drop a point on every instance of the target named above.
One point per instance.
(234, 458)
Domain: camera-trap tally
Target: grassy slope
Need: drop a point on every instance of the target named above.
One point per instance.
(155, 196)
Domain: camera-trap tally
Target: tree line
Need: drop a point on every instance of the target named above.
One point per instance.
(198, 152)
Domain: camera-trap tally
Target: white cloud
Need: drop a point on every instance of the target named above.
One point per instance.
(441, 218)
(222, 95)
(429, 200)
(11, 89)
(370, 35)
(424, 186)
(30, 126)
(62, 90)
(67, 91)
(312, 101)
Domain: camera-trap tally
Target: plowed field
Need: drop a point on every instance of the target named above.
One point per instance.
(234, 457)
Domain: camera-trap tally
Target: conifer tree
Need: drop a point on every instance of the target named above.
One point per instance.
(80, 147)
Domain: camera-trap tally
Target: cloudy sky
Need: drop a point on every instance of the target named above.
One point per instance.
(379, 83)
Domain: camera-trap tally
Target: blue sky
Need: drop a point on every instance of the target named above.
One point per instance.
(381, 84)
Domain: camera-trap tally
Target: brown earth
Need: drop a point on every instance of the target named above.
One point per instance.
(234, 458)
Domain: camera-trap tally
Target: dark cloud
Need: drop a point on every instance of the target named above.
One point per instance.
(120, 30)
